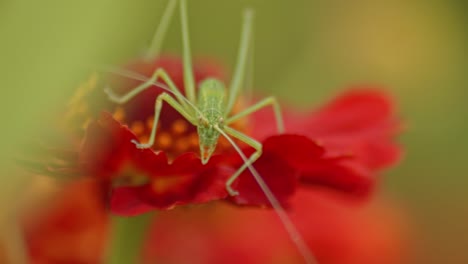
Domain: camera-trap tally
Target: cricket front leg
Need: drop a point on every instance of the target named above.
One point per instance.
(247, 163)
(269, 101)
(157, 74)
(164, 97)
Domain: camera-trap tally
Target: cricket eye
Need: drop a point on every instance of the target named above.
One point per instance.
(221, 121)
(202, 121)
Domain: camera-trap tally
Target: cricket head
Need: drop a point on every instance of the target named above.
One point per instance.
(208, 135)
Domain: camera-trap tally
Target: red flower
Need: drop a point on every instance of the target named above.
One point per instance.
(340, 146)
(72, 229)
(357, 130)
(145, 179)
(336, 231)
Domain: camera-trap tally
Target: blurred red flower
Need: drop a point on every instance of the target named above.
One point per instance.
(337, 232)
(341, 146)
(357, 131)
(72, 228)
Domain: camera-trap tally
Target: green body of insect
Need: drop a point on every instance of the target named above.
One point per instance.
(211, 103)
(210, 110)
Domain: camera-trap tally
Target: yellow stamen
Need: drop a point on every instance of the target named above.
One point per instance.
(182, 144)
(193, 140)
(119, 114)
(138, 128)
(163, 184)
(84, 90)
(143, 139)
(164, 140)
(223, 143)
(150, 122)
(179, 126)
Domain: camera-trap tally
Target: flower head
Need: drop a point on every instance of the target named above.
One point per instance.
(340, 146)
(336, 230)
(72, 229)
(356, 130)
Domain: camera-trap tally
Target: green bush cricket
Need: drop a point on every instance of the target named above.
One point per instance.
(210, 109)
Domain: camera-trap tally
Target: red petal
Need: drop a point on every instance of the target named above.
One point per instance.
(278, 176)
(297, 150)
(282, 160)
(360, 123)
(126, 202)
(340, 174)
(71, 227)
(191, 187)
(160, 184)
(106, 147)
(312, 165)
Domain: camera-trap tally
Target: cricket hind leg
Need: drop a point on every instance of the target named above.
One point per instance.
(155, 46)
(239, 72)
(189, 78)
(290, 227)
(246, 48)
(164, 97)
(269, 101)
(258, 152)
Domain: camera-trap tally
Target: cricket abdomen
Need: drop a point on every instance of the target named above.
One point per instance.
(211, 103)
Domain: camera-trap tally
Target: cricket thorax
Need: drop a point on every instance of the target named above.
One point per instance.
(211, 105)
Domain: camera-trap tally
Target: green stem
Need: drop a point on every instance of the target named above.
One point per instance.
(127, 237)
(13, 240)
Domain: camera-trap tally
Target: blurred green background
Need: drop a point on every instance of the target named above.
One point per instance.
(305, 52)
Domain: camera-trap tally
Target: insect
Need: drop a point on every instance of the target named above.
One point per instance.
(210, 109)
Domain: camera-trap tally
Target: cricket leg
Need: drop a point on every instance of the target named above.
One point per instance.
(239, 72)
(269, 101)
(258, 152)
(156, 43)
(285, 219)
(189, 79)
(158, 73)
(164, 97)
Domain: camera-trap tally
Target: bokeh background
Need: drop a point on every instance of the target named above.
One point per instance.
(305, 52)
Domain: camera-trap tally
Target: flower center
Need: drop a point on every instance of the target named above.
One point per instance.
(174, 134)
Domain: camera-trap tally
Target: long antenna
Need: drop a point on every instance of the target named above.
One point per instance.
(280, 211)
